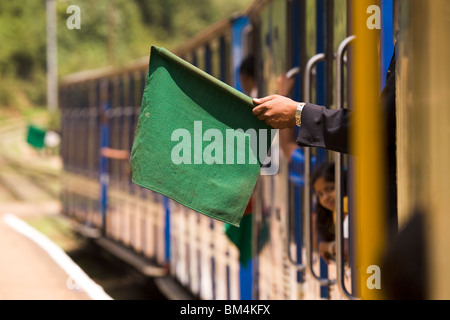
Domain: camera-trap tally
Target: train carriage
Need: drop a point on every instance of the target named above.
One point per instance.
(342, 49)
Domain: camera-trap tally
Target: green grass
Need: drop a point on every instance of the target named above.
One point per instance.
(58, 229)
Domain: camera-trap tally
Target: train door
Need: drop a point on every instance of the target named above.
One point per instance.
(312, 30)
(343, 20)
(110, 175)
(276, 277)
(80, 117)
(325, 34)
(128, 212)
(317, 87)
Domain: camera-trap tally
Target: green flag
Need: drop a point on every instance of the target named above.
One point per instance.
(197, 140)
(242, 238)
(36, 136)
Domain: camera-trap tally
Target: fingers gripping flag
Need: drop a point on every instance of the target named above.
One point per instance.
(197, 141)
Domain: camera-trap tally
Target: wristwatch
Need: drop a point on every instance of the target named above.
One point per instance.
(298, 114)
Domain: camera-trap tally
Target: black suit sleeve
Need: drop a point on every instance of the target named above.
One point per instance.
(325, 128)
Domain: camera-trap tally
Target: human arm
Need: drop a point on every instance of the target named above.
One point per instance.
(320, 127)
(288, 136)
(325, 128)
(115, 153)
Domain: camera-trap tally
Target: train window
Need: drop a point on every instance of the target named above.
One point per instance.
(340, 22)
(223, 60)
(215, 58)
(200, 55)
(273, 38)
(247, 40)
(311, 28)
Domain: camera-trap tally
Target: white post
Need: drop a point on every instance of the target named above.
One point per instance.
(52, 57)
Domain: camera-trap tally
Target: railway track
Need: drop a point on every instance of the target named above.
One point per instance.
(21, 182)
(25, 174)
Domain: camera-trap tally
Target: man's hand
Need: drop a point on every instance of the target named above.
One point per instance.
(276, 111)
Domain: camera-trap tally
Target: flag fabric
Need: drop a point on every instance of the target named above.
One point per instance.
(36, 136)
(195, 139)
(242, 237)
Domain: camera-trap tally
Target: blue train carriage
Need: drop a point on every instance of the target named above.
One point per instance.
(104, 106)
(323, 39)
(99, 111)
(79, 136)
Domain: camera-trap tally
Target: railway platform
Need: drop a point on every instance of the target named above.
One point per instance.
(27, 271)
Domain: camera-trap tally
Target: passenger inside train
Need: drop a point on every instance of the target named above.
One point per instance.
(323, 184)
(247, 76)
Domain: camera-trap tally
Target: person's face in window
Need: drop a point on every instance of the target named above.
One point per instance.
(247, 83)
(325, 192)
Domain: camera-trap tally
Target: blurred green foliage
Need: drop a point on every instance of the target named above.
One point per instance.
(113, 32)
